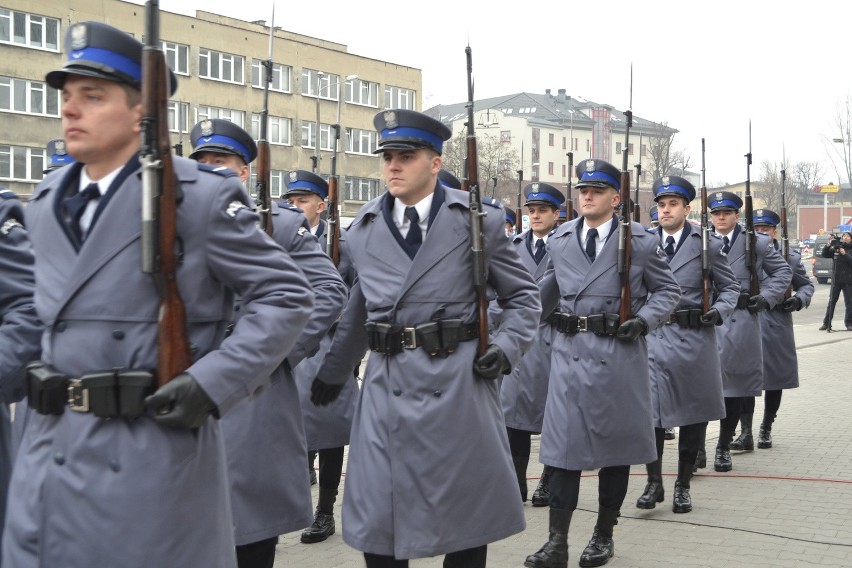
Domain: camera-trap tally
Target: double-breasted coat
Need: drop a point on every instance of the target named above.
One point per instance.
(429, 469)
(328, 426)
(780, 363)
(88, 491)
(686, 375)
(264, 434)
(598, 410)
(739, 336)
(523, 392)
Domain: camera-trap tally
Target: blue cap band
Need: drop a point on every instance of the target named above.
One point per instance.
(63, 159)
(108, 58)
(223, 141)
(407, 132)
(725, 203)
(303, 184)
(598, 175)
(681, 191)
(542, 196)
(765, 220)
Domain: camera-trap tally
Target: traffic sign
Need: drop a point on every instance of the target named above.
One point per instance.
(826, 189)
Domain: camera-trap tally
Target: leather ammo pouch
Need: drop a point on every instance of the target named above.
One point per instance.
(742, 301)
(437, 337)
(384, 337)
(689, 317)
(605, 324)
(106, 394)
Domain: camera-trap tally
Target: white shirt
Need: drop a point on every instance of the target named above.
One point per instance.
(423, 207)
(91, 206)
(603, 235)
(664, 236)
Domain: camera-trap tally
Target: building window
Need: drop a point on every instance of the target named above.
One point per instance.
(309, 82)
(588, 144)
(550, 168)
(397, 97)
(362, 92)
(361, 189)
(28, 97)
(276, 183)
(178, 116)
(564, 169)
(280, 76)
(618, 148)
(29, 30)
(551, 139)
(220, 66)
(235, 116)
(309, 130)
(326, 81)
(21, 163)
(277, 129)
(643, 150)
(360, 141)
(177, 56)
(564, 143)
(629, 149)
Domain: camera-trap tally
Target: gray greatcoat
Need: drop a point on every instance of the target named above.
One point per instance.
(598, 409)
(328, 426)
(740, 346)
(20, 328)
(87, 491)
(686, 375)
(780, 363)
(523, 392)
(264, 435)
(429, 469)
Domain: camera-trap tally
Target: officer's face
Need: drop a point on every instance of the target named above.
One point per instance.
(671, 213)
(542, 219)
(411, 174)
(767, 229)
(100, 125)
(724, 220)
(311, 205)
(597, 204)
(230, 161)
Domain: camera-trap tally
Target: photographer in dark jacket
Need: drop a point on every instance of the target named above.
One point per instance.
(841, 278)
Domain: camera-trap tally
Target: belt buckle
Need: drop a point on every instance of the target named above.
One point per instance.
(582, 323)
(78, 396)
(409, 338)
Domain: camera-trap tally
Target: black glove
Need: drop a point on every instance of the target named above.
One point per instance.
(323, 394)
(792, 304)
(181, 403)
(710, 318)
(631, 329)
(492, 363)
(757, 304)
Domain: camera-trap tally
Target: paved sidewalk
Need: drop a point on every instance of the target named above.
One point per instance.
(789, 506)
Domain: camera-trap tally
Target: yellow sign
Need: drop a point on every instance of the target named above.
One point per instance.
(829, 188)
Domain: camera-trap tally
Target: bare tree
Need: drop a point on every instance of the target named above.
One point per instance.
(496, 160)
(664, 157)
(804, 176)
(839, 146)
(770, 178)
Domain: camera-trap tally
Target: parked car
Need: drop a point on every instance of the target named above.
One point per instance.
(822, 266)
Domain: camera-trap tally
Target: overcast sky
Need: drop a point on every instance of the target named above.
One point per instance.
(705, 68)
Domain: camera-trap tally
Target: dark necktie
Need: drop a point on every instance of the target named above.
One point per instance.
(539, 251)
(670, 250)
(414, 237)
(76, 206)
(591, 246)
(726, 248)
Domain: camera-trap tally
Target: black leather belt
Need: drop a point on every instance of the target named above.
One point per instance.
(107, 394)
(742, 301)
(571, 324)
(438, 337)
(687, 317)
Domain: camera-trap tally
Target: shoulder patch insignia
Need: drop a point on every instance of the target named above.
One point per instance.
(220, 170)
(491, 202)
(235, 206)
(301, 231)
(8, 226)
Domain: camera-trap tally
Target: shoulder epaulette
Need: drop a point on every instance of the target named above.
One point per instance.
(287, 207)
(8, 194)
(715, 235)
(220, 170)
(491, 202)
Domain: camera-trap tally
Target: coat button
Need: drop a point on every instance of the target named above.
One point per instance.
(437, 393)
(603, 361)
(60, 326)
(118, 334)
(114, 465)
(59, 458)
(397, 392)
(576, 357)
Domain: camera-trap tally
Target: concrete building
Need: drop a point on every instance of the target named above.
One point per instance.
(218, 61)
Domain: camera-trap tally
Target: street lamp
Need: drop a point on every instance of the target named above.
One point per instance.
(316, 157)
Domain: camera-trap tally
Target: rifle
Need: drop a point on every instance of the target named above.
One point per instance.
(705, 238)
(160, 196)
(477, 240)
(332, 237)
(569, 202)
(785, 241)
(519, 217)
(624, 229)
(636, 211)
(751, 238)
(263, 199)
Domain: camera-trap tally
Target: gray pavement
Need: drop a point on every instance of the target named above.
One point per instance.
(789, 506)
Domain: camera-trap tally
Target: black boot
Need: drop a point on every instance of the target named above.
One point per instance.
(323, 525)
(520, 463)
(723, 451)
(654, 492)
(601, 548)
(682, 502)
(541, 495)
(764, 438)
(554, 553)
(745, 441)
(700, 460)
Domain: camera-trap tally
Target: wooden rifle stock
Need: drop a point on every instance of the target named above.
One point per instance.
(263, 197)
(333, 220)
(705, 239)
(159, 207)
(636, 212)
(751, 238)
(477, 240)
(624, 230)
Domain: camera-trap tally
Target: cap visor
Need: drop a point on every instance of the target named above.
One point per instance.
(401, 146)
(216, 149)
(600, 184)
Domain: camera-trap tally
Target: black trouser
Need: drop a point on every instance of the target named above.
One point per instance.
(688, 442)
(470, 558)
(748, 405)
(330, 467)
(733, 410)
(832, 302)
(771, 402)
(520, 442)
(260, 554)
(612, 487)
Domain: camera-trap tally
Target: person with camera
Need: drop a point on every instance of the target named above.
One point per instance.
(841, 279)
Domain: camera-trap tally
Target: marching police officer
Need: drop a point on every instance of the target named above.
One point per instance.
(653, 215)
(780, 364)
(109, 477)
(509, 223)
(598, 412)
(686, 376)
(524, 391)
(264, 435)
(739, 336)
(326, 428)
(414, 485)
(57, 155)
